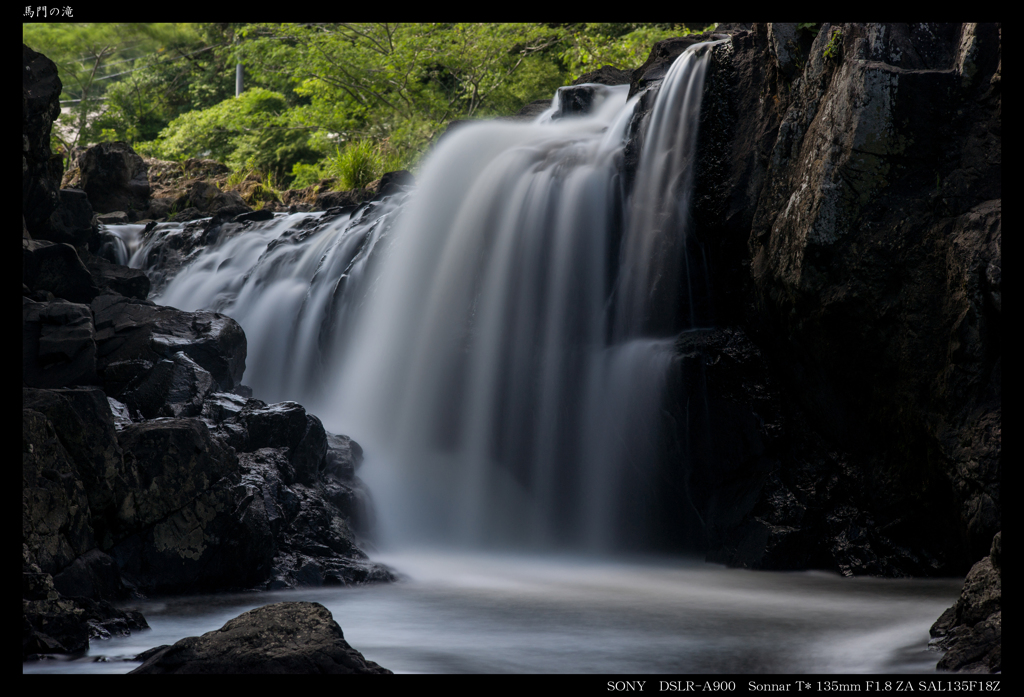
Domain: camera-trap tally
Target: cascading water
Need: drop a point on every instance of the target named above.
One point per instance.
(499, 343)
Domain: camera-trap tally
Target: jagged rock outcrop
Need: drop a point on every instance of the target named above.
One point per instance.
(40, 170)
(131, 329)
(848, 201)
(971, 630)
(53, 623)
(56, 269)
(284, 638)
(114, 177)
(131, 477)
(58, 344)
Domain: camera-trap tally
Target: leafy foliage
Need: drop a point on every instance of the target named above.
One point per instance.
(342, 99)
(624, 46)
(96, 60)
(835, 44)
(251, 131)
(400, 81)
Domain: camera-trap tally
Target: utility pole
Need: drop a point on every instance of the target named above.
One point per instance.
(238, 80)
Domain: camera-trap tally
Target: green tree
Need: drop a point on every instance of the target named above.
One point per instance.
(90, 58)
(252, 131)
(624, 46)
(398, 81)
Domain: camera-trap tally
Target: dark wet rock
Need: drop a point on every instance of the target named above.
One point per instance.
(115, 177)
(221, 406)
(344, 456)
(85, 427)
(579, 99)
(605, 75)
(35, 585)
(49, 212)
(171, 247)
(353, 501)
(211, 200)
(130, 329)
(347, 199)
(40, 171)
(255, 216)
(287, 424)
(186, 214)
(314, 524)
(72, 222)
(660, 60)
(199, 527)
(117, 278)
(265, 469)
(56, 268)
(55, 516)
(221, 412)
(971, 630)
(122, 492)
(785, 46)
(865, 276)
(120, 376)
(58, 345)
(53, 626)
(122, 417)
(394, 182)
(106, 620)
(92, 575)
(175, 387)
(284, 638)
(177, 461)
(115, 218)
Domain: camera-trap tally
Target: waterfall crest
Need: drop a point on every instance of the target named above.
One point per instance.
(499, 342)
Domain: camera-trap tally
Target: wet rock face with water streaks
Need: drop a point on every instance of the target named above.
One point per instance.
(848, 200)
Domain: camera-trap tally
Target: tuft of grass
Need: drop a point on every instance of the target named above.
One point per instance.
(255, 185)
(361, 162)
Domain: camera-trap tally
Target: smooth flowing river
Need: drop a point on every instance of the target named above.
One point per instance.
(476, 613)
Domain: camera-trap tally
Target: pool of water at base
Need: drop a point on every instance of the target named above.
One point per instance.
(483, 613)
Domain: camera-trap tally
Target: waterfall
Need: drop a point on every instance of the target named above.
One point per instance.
(499, 340)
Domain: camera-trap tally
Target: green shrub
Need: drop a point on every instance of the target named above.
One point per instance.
(356, 165)
(304, 175)
(362, 161)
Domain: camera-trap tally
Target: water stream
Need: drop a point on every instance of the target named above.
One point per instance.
(486, 613)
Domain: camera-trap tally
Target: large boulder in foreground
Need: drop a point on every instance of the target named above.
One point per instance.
(284, 638)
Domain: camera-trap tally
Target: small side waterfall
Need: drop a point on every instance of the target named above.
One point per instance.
(500, 341)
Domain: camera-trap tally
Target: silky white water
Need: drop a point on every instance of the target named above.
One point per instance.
(498, 341)
(482, 613)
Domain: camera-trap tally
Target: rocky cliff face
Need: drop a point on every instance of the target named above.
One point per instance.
(146, 465)
(849, 200)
